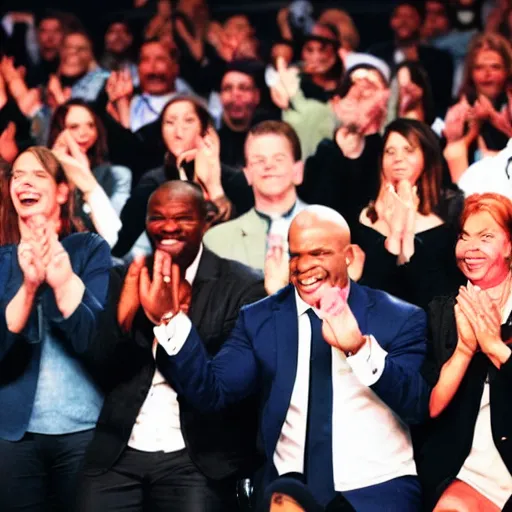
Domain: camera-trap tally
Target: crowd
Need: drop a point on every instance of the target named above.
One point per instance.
(248, 274)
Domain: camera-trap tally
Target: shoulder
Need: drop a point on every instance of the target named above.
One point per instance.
(85, 244)
(153, 177)
(238, 272)
(224, 228)
(388, 306)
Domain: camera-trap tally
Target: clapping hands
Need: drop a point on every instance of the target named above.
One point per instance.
(276, 270)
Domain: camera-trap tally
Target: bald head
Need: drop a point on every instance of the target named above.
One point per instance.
(316, 214)
(178, 189)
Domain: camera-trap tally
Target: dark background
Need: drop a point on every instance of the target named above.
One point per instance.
(371, 16)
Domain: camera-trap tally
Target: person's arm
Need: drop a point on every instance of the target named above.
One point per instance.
(122, 187)
(401, 386)
(79, 325)
(209, 385)
(133, 219)
(311, 119)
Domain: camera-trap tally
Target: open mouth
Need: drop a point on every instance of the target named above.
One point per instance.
(310, 284)
(168, 243)
(28, 198)
(474, 263)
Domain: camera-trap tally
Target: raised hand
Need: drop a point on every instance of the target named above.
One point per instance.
(207, 164)
(287, 85)
(8, 147)
(276, 269)
(59, 271)
(31, 265)
(356, 266)
(129, 300)
(455, 120)
(75, 163)
(195, 43)
(59, 94)
(160, 294)
(340, 328)
(466, 338)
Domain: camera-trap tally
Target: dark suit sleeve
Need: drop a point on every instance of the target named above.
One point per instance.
(209, 386)
(401, 385)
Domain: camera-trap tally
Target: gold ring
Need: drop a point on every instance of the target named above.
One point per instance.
(167, 279)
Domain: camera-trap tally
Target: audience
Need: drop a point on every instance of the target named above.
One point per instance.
(54, 286)
(173, 124)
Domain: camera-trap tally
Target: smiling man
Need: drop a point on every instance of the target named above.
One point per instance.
(149, 447)
(336, 366)
(274, 169)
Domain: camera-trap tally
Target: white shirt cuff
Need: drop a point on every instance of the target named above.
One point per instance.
(173, 336)
(368, 363)
(104, 217)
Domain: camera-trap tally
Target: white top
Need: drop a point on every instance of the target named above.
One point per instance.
(146, 108)
(484, 468)
(103, 215)
(158, 427)
(490, 174)
(371, 444)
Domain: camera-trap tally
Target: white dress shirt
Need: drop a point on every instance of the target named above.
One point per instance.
(158, 427)
(490, 174)
(371, 444)
(484, 469)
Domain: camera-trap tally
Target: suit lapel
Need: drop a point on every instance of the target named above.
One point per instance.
(287, 337)
(358, 302)
(253, 231)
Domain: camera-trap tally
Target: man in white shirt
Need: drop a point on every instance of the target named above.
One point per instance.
(274, 169)
(491, 174)
(158, 70)
(151, 451)
(336, 396)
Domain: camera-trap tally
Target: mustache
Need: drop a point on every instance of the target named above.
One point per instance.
(156, 77)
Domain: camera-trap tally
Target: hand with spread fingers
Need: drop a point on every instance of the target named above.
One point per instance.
(129, 300)
(287, 85)
(160, 295)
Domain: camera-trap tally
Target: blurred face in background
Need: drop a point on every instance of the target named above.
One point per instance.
(158, 69)
(80, 123)
(49, 37)
(436, 21)
(181, 127)
(76, 56)
(239, 97)
(405, 23)
(118, 38)
(402, 159)
(489, 73)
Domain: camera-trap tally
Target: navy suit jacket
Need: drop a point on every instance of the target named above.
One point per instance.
(261, 356)
(20, 354)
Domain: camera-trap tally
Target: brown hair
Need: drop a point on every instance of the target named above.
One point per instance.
(9, 229)
(497, 206)
(98, 152)
(486, 41)
(429, 181)
(278, 128)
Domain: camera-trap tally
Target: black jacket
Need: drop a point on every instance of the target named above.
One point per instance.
(133, 216)
(444, 444)
(222, 444)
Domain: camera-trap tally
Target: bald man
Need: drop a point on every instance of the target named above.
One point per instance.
(151, 451)
(336, 366)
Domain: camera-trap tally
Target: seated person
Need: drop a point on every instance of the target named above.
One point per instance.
(273, 169)
(152, 451)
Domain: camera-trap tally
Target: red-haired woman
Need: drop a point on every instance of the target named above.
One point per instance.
(53, 285)
(465, 460)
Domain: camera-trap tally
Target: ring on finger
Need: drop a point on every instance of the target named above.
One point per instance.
(167, 279)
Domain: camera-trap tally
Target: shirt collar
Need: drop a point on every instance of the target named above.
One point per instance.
(302, 306)
(286, 215)
(190, 273)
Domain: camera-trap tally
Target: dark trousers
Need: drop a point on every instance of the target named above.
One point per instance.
(155, 482)
(400, 494)
(40, 473)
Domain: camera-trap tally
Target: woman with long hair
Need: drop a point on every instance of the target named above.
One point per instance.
(193, 150)
(407, 231)
(77, 131)
(53, 286)
(463, 456)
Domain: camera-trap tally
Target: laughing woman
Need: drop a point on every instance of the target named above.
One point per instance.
(53, 287)
(465, 461)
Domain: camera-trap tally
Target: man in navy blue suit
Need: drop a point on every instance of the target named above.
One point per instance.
(336, 366)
